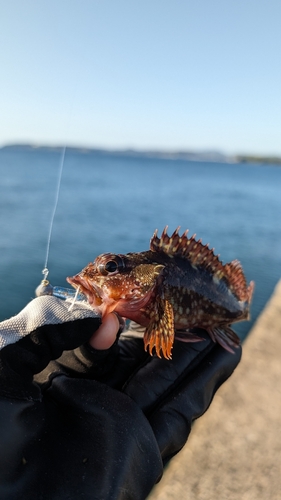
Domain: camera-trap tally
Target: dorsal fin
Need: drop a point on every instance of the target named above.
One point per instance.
(201, 255)
(188, 248)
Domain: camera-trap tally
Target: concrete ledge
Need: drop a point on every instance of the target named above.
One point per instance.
(234, 451)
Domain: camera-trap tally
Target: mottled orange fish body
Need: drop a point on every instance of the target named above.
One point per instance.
(177, 285)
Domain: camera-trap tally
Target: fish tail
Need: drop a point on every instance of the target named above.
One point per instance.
(250, 291)
(237, 282)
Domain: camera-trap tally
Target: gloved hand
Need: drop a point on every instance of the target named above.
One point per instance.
(98, 423)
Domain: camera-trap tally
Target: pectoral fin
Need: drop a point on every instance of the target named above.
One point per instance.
(160, 331)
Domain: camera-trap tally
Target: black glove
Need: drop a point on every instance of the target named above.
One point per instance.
(96, 424)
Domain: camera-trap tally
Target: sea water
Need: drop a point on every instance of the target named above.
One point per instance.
(111, 202)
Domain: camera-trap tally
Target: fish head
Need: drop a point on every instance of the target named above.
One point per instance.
(121, 283)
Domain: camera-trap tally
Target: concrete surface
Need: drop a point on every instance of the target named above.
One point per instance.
(234, 450)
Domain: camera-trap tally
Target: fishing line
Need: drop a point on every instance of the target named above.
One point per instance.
(45, 271)
(45, 287)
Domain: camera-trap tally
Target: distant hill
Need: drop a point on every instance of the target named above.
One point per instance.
(207, 156)
(211, 156)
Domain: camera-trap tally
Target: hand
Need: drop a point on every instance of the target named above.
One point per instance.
(71, 436)
(107, 423)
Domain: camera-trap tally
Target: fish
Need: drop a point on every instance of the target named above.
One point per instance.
(177, 286)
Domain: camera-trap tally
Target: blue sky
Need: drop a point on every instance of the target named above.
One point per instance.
(156, 74)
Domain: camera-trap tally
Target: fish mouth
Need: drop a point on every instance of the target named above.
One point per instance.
(92, 292)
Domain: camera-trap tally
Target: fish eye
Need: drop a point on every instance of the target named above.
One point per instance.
(111, 266)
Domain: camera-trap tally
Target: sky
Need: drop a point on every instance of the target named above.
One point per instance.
(149, 74)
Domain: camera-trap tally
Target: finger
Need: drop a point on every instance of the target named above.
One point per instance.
(105, 336)
(94, 358)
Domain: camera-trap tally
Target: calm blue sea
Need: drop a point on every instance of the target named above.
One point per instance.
(113, 203)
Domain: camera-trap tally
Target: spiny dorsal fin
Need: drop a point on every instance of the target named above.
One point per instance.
(201, 255)
(188, 248)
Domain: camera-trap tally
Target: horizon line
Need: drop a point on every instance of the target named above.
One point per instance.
(205, 152)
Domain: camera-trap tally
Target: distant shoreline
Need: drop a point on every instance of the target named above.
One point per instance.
(275, 160)
(202, 156)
